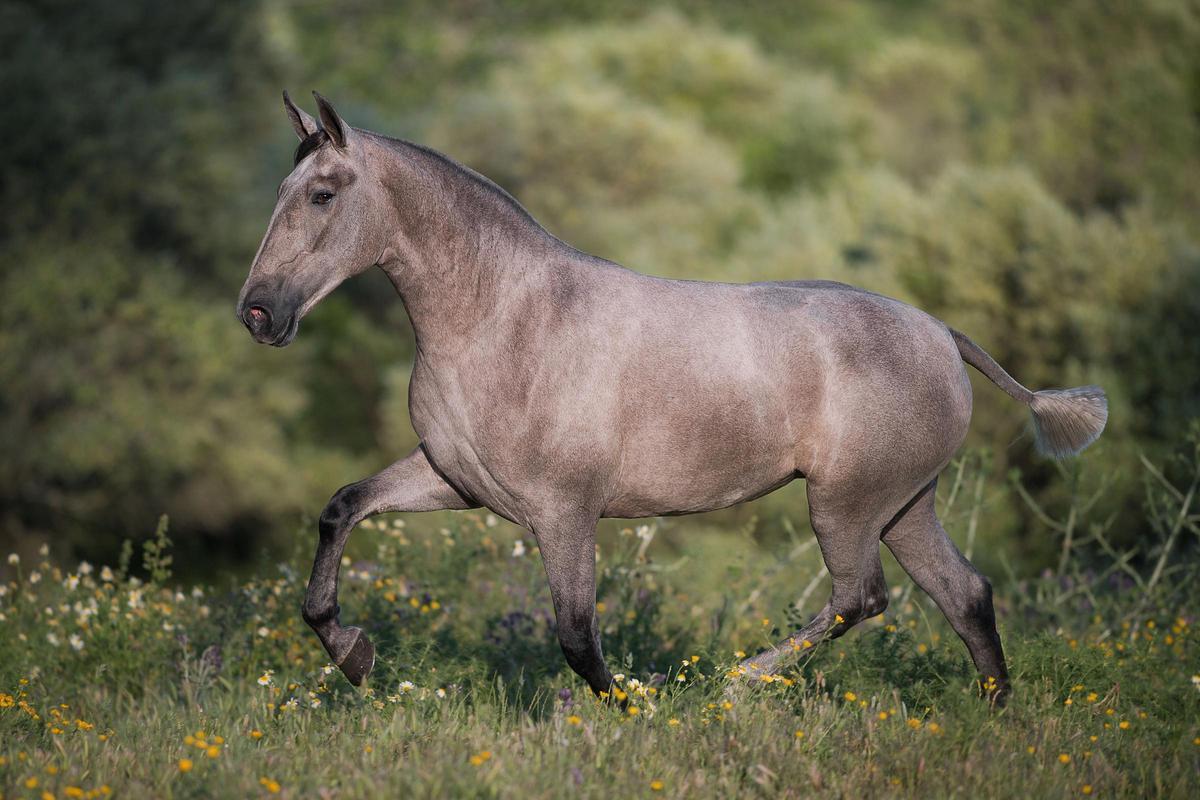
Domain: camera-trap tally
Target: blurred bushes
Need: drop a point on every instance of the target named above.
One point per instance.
(1026, 173)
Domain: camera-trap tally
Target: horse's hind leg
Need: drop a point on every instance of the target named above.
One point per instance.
(921, 545)
(848, 535)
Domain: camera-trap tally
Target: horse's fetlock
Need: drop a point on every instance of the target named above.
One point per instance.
(318, 615)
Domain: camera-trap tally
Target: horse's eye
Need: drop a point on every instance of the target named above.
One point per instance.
(321, 198)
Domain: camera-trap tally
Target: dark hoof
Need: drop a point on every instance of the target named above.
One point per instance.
(357, 664)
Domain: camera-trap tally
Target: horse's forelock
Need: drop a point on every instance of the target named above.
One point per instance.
(310, 143)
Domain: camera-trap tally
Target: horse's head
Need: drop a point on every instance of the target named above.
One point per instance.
(327, 226)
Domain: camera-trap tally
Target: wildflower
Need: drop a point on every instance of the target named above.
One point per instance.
(106, 575)
(52, 639)
(933, 727)
(73, 791)
(407, 686)
(1123, 724)
(518, 548)
(263, 632)
(256, 734)
(799, 734)
(1063, 758)
(71, 583)
(479, 758)
(291, 705)
(85, 568)
(212, 751)
(441, 694)
(914, 723)
(839, 619)
(1092, 697)
(266, 678)
(739, 654)
(6, 700)
(681, 677)
(31, 783)
(574, 719)
(656, 786)
(327, 669)
(883, 715)
(185, 765)
(1068, 702)
(14, 559)
(850, 697)
(35, 576)
(271, 786)
(1086, 788)
(1031, 749)
(76, 642)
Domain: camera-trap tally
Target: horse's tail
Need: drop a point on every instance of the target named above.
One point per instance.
(1064, 420)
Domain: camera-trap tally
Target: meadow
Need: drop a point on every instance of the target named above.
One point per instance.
(117, 682)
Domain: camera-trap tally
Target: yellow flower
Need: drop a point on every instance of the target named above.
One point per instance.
(882, 716)
(270, 785)
(1123, 724)
(73, 791)
(933, 727)
(185, 765)
(675, 723)
(656, 786)
(850, 697)
(213, 751)
(739, 654)
(1031, 749)
(189, 740)
(799, 734)
(1063, 758)
(256, 734)
(574, 719)
(727, 705)
(31, 783)
(838, 618)
(1092, 697)
(6, 700)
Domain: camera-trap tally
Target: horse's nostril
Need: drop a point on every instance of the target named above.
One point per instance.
(257, 319)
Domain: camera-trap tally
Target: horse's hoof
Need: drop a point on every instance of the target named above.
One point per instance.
(357, 664)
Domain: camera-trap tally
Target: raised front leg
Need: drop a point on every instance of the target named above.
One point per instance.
(569, 555)
(411, 484)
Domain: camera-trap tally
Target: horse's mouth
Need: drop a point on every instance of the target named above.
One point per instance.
(285, 337)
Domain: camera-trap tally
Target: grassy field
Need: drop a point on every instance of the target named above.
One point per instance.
(115, 685)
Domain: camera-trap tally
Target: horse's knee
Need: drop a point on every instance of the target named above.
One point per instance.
(577, 635)
(341, 510)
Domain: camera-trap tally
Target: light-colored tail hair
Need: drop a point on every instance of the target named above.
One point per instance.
(1065, 421)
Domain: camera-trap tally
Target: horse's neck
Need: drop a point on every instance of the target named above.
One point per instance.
(465, 252)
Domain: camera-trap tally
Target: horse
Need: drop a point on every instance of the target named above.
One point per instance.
(556, 388)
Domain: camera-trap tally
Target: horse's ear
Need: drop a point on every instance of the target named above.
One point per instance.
(331, 123)
(302, 121)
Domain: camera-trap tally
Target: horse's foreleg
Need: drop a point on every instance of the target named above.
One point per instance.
(410, 484)
(569, 555)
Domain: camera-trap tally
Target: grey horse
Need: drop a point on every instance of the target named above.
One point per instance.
(556, 388)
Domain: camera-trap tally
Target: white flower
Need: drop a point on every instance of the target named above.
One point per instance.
(645, 532)
(3, 590)
(106, 575)
(291, 705)
(441, 694)
(407, 686)
(71, 582)
(490, 520)
(264, 631)
(135, 598)
(313, 700)
(620, 676)
(14, 559)
(76, 642)
(328, 669)
(44, 550)
(35, 576)
(52, 639)
(85, 568)
(518, 548)
(266, 678)
(197, 592)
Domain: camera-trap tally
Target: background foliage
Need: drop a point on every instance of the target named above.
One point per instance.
(1025, 171)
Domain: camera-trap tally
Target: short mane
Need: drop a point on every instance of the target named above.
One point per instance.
(310, 143)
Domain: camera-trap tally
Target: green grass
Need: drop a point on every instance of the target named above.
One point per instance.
(114, 682)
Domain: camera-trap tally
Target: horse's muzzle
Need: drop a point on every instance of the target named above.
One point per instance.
(268, 326)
